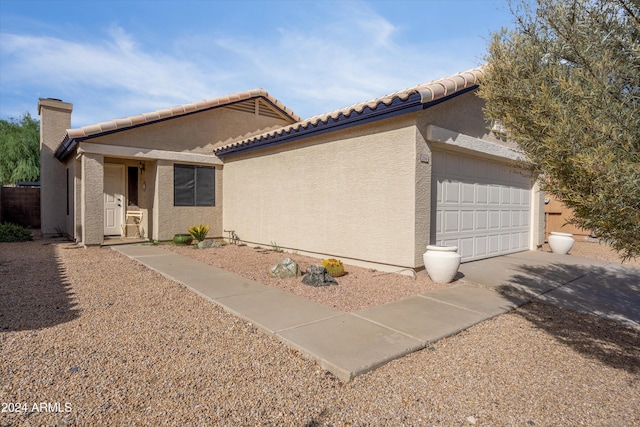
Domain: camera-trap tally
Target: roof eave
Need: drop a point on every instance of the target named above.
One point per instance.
(66, 147)
(69, 144)
(413, 103)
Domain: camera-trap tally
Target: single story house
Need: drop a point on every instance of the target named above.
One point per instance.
(371, 184)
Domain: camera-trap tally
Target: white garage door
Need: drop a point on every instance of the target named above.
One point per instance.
(483, 207)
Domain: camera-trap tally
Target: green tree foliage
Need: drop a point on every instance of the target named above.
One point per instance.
(565, 84)
(19, 150)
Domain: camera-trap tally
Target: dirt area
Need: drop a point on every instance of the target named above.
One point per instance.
(90, 337)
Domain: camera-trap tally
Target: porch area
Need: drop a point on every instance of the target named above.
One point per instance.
(125, 195)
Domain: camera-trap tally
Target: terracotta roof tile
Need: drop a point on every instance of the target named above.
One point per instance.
(150, 117)
(429, 92)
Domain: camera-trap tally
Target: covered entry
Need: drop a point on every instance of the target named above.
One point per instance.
(482, 206)
(113, 199)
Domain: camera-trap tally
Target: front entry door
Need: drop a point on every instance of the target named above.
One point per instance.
(113, 199)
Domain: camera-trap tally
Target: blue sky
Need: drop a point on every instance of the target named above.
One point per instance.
(118, 58)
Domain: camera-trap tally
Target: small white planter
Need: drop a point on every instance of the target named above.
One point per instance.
(441, 262)
(560, 243)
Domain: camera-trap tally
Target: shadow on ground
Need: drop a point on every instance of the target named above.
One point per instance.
(34, 291)
(595, 310)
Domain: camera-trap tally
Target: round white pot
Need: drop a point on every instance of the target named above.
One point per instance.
(441, 262)
(560, 243)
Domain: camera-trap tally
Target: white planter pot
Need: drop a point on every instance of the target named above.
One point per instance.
(442, 262)
(560, 243)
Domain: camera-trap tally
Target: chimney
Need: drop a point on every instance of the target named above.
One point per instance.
(55, 119)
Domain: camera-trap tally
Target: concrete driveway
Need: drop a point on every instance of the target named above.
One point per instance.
(606, 289)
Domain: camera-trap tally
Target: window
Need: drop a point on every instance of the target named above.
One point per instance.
(194, 185)
(132, 184)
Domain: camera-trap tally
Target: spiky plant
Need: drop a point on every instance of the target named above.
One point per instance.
(199, 232)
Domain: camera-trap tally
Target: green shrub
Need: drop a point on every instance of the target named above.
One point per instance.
(14, 233)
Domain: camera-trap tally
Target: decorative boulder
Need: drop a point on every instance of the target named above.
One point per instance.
(317, 275)
(285, 268)
(209, 243)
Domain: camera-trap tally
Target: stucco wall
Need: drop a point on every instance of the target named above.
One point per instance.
(55, 119)
(169, 220)
(92, 199)
(346, 194)
(462, 114)
(77, 190)
(196, 133)
(69, 196)
(537, 235)
(424, 161)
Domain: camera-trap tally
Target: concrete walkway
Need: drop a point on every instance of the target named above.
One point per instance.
(350, 344)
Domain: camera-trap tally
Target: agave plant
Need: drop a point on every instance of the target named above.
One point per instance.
(199, 232)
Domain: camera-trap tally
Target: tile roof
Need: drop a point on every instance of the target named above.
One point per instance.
(71, 137)
(425, 93)
(180, 110)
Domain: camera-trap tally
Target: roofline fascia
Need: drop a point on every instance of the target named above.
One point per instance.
(67, 145)
(367, 115)
(65, 148)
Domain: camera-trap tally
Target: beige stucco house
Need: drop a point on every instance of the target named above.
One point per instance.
(371, 184)
(95, 177)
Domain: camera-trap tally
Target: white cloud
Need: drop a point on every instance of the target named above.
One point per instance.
(351, 56)
(114, 73)
(117, 64)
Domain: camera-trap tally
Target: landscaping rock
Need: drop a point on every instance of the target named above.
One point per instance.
(317, 275)
(209, 243)
(285, 268)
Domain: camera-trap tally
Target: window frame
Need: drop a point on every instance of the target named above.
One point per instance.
(194, 185)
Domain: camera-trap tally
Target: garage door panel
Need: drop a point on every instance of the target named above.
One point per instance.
(482, 206)
(515, 218)
(468, 193)
(506, 196)
(494, 195)
(451, 192)
(505, 243)
(451, 222)
(481, 194)
(466, 246)
(494, 245)
(466, 221)
(494, 220)
(482, 220)
(505, 219)
(480, 247)
(515, 196)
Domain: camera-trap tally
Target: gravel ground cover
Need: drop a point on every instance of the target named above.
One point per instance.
(360, 288)
(101, 340)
